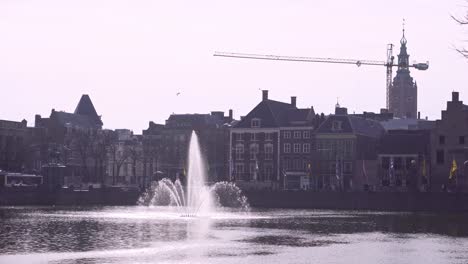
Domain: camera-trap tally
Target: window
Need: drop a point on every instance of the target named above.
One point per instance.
(253, 171)
(269, 151)
(268, 137)
(461, 140)
(297, 134)
(297, 164)
(385, 163)
(440, 159)
(268, 172)
(297, 148)
(239, 170)
(441, 140)
(287, 134)
(336, 126)
(287, 148)
(306, 148)
(253, 137)
(253, 151)
(306, 134)
(398, 163)
(255, 122)
(239, 152)
(238, 136)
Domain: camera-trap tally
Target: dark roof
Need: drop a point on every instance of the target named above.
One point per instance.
(276, 114)
(271, 113)
(193, 120)
(85, 107)
(75, 120)
(352, 125)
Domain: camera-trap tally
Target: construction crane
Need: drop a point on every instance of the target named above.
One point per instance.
(389, 63)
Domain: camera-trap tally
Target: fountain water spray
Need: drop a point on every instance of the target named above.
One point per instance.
(199, 197)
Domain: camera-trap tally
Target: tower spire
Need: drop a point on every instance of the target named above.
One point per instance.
(403, 39)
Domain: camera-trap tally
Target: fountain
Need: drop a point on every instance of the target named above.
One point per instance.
(199, 198)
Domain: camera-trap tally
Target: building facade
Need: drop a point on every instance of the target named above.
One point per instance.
(271, 147)
(449, 140)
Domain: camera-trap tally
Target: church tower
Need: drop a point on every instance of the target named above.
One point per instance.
(403, 94)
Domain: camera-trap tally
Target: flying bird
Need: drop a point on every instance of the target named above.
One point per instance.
(178, 93)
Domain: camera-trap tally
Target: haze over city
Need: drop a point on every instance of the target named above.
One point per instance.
(133, 58)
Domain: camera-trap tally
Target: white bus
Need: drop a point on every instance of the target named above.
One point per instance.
(10, 179)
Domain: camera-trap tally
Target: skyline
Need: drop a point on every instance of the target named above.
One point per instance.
(148, 52)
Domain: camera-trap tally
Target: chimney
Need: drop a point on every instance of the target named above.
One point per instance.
(265, 95)
(230, 114)
(419, 115)
(454, 96)
(293, 101)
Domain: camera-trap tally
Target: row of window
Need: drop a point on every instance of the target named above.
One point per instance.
(296, 134)
(461, 140)
(297, 148)
(253, 136)
(254, 151)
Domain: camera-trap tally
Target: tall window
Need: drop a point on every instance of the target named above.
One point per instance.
(268, 151)
(238, 136)
(461, 140)
(253, 137)
(287, 148)
(306, 148)
(253, 151)
(239, 152)
(252, 170)
(268, 169)
(440, 156)
(297, 134)
(336, 126)
(306, 134)
(255, 122)
(297, 148)
(268, 136)
(297, 164)
(239, 170)
(287, 134)
(441, 139)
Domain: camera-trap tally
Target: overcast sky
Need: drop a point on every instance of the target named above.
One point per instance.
(133, 57)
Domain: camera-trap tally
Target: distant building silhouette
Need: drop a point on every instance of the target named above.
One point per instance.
(403, 94)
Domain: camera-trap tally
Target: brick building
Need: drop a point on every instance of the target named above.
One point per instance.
(271, 146)
(449, 141)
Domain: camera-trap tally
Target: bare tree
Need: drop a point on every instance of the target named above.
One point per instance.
(118, 154)
(462, 21)
(134, 154)
(101, 143)
(82, 143)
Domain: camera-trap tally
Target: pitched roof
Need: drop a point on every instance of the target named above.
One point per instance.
(272, 114)
(85, 107)
(75, 120)
(193, 120)
(352, 125)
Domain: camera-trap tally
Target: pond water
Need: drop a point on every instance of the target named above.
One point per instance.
(140, 234)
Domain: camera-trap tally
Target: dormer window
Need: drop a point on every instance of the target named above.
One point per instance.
(255, 123)
(336, 126)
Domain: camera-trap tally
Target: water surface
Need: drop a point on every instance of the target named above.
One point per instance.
(159, 235)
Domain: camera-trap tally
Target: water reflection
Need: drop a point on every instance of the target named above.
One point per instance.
(152, 235)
